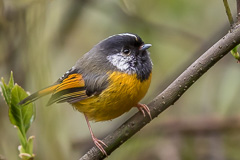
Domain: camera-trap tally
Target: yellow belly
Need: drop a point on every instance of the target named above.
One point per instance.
(123, 93)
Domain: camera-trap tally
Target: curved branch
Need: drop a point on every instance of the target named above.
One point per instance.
(170, 95)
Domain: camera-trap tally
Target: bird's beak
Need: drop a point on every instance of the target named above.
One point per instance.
(144, 47)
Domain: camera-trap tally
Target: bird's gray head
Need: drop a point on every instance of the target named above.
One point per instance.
(127, 53)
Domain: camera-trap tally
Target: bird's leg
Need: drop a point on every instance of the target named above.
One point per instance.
(142, 108)
(96, 141)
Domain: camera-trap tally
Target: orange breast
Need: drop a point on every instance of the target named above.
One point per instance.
(123, 93)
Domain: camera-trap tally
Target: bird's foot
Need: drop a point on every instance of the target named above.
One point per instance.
(142, 108)
(100, 145)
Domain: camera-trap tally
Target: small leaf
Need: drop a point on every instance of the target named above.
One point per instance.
(22, 138)
(235, 53)
(6, 92)
(30, 145)
(11, 81)
(28, 152)
(21, 116)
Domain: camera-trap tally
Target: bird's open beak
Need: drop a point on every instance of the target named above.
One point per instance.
(144, 47)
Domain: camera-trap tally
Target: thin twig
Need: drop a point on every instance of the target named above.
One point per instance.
(170, 95)
(238, 11)
(228, 11)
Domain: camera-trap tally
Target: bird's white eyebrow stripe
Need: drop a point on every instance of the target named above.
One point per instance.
(129, 34)
(125, 34)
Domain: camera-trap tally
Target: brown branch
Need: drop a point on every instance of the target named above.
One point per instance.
(170, 95)
(204, 46)
(185, 126)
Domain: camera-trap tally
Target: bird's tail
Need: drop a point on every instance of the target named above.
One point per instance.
(39, 94)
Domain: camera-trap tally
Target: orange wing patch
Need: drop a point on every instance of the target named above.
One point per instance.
(72, 81)
(71, 89)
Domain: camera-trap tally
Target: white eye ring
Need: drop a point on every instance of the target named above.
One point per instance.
(126, 51)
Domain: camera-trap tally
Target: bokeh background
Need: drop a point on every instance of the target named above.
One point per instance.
(41, 39)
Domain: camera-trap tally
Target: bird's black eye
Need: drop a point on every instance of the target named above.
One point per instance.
(126, 51)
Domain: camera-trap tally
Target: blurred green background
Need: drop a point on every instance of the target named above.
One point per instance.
(41, 39)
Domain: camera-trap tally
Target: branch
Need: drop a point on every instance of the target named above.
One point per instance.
(203, 47)
(170, 95)
(185, 126)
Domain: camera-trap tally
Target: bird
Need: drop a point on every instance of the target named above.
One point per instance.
(105, 82)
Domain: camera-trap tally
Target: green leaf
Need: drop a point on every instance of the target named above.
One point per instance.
(11, 81)
(21, 116)
(23, 139)
(6, 89)
(4, 92)
(30, 145)
(27, 152)
(235, 53)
